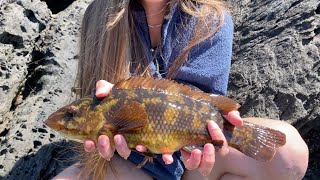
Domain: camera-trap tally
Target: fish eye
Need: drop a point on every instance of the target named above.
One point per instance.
(71, 112)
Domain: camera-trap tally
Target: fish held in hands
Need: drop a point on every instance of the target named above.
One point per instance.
(164, 116)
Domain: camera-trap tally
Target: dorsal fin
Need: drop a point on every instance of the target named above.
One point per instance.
(225, 104)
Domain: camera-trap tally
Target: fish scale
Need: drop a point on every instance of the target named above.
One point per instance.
(163, 130)
(164, 116)
(157, 111)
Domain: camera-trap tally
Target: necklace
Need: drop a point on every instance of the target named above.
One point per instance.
(165, 8)
(154, 26)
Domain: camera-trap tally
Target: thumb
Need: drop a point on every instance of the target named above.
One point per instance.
(103, 88)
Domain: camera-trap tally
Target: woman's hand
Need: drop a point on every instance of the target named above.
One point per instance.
(106, 151)
(204, 161)
(192, 161)
(103, 145)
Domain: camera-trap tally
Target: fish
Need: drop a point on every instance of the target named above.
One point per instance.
(165, 116)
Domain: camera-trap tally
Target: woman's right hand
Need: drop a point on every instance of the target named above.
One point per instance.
(103, 145)
(104, 148)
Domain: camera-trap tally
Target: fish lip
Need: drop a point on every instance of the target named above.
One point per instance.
(47, 123)
(51, 123)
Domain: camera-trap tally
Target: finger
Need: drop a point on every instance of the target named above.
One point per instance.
(104, 147)
(122, 146)
(185, 156)
(207, 160)
(141, 148)
(216, 134)
(194, 160)
(167, 158)
(103, 88)
(234, 118)
(89, 145)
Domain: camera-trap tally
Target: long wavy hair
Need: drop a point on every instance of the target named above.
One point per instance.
(111, 49)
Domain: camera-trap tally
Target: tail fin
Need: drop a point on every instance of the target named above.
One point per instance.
(257, 142)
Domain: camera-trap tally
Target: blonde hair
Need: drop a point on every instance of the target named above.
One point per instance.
(110, 48)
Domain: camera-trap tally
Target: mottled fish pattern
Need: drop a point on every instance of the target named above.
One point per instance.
(164, 116)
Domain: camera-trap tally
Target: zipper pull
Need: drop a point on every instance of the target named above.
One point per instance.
(152, 51)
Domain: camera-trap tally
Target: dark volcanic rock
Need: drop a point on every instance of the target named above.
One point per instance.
(312, 139)
(38, 59)
(275, 73)
(276, 65)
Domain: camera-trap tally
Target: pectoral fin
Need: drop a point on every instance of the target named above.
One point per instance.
(130, 116)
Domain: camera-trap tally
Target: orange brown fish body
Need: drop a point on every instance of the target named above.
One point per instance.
(165, 117)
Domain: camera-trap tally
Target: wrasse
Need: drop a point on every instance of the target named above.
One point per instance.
(164, 116)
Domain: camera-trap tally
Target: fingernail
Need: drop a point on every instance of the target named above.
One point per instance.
(141, 148)
(88, 146)
(215, 125)
(206, 150)
(118, 139)
(138, 148)
(102, 141)
(168, 160)
(99, 91)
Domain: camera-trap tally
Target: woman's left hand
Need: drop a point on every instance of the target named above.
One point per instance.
(204, 161)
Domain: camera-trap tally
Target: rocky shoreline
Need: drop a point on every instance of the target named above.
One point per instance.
(275, 73)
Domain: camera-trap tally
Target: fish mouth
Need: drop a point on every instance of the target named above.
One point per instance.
(49, 123)
(52, 123)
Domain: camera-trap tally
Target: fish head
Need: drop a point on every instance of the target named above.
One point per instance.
(77, 121)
